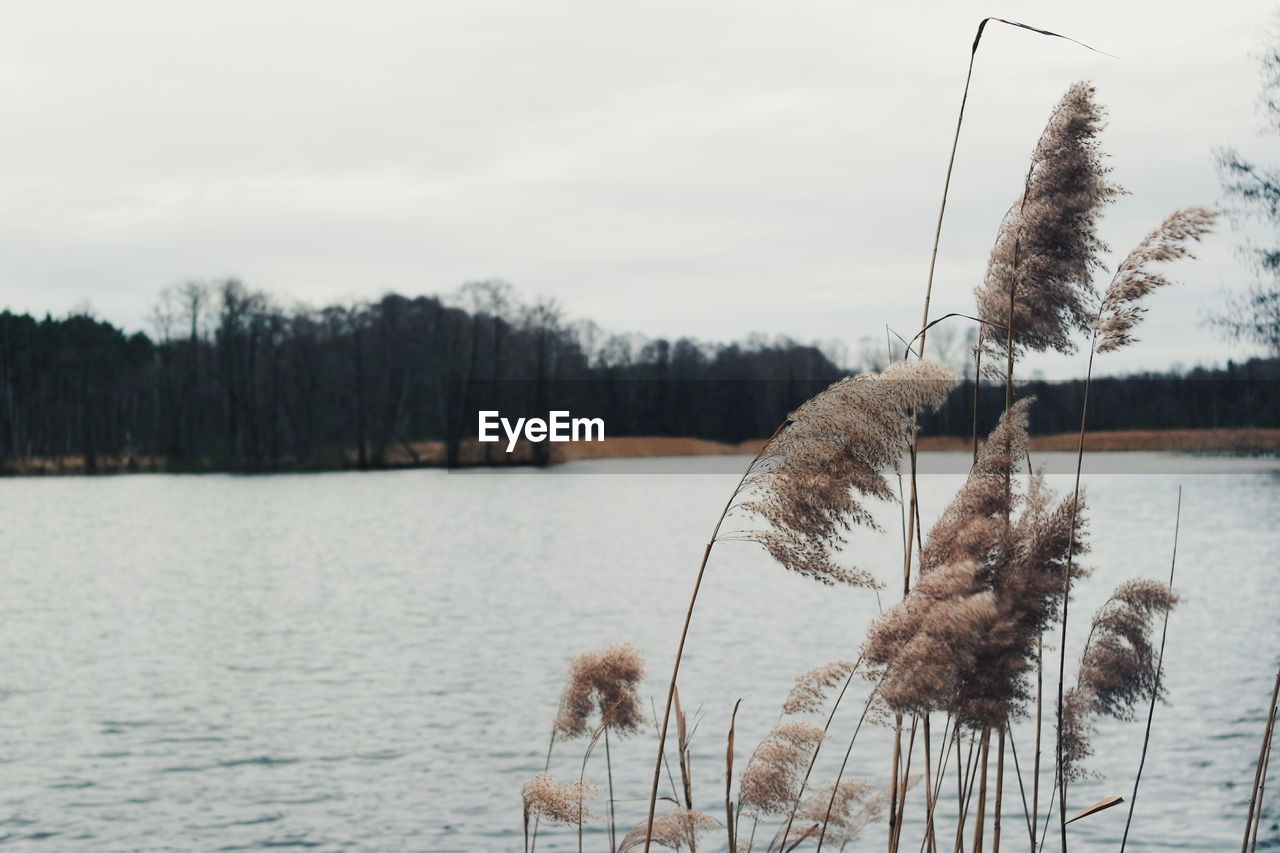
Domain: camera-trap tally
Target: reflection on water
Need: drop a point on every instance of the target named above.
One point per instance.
(372, 661)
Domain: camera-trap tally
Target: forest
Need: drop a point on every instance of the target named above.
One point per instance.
(231, 380)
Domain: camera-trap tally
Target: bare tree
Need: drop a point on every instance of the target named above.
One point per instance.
(1253, 189)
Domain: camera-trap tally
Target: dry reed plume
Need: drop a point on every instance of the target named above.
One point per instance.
(1039, 275)
(830, 457)
(1118, 314)
(677, 829)
(770, 782)
(811, 689)
(964, 638)
(1119, 311)
(557, 802)
(600, 683)
(843, 809)
(804, 478)
(1118, 668)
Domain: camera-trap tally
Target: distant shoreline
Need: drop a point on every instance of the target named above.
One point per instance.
(431, 454)
(1243, 440)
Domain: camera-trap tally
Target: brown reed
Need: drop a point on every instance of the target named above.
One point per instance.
(997, 564)
(811, 689)
(1260, 770)
(677, 829)
(965, 637)
(1048, 245)
(1155, 693)
(808, 694)
(729, 821)
(770, 782)
(830, 458)
(1118, 313)
(556, 802)
(602, 681)
(1117, 669)
(601, 686)
(850, 812)
(823, 430)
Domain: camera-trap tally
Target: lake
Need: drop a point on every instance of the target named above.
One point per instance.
(373, 660)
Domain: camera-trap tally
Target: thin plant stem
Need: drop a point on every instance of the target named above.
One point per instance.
(1155, 690)
(931, 798)
(977, 393)
(730, 822)
(684, 635)
(813, 759)
(843, 764)
(979, 824)
(582, 774)
(532, 841)
(946, 184)
(1035, 771)
(924, 327)
(928, 784)
(955, 144)
(996, 809)
(613, 819)
(966, 792)
(1066, 594)
(895, 767)
(671, 780)
(1044, 830)
(1262, 787)
(1013, 748)
(912, 511)
(896, 836)
(1262, 754)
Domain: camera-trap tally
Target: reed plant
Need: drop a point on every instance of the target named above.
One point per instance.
(984, 590)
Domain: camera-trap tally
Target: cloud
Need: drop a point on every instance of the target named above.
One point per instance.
(704, 168)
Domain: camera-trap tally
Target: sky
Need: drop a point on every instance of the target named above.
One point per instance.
(668, 167)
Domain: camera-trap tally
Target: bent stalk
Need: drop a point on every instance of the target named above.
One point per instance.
(684, 635)
(1155, 692)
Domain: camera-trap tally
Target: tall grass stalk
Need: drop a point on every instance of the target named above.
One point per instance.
(895, 831)
(600, 732)
(729, 820)
(979, 823)
(813, 759)
(1035, 771)
(1255, 804)
(929, 842)
(1155, 693)
(684, 636)
(895, 767)
(924, 327)
(1026, 810)
(1066, 601)
(532, 841)
(999, 803)
(1262, 788)
(928, 785)
(613, 818)
(822, 836)
(1117, 314)
(965, 774)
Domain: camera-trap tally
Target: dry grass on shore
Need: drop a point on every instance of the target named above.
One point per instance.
(1206, 441)
(427, 454)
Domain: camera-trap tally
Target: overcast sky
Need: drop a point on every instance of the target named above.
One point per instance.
(672, 168)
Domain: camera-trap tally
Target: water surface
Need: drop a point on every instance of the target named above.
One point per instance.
(372, 660)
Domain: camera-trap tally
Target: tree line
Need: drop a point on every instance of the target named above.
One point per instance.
(232, 380)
